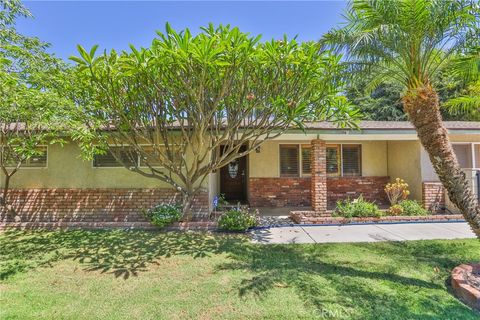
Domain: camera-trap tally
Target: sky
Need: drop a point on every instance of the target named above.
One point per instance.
(116, 24)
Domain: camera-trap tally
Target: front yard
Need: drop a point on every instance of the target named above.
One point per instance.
(152, 275)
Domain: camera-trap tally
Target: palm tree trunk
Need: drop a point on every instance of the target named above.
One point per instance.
(423, 108)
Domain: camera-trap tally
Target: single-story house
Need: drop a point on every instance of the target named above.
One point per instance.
(312, 168)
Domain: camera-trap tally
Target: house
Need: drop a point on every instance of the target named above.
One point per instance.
(312, 168)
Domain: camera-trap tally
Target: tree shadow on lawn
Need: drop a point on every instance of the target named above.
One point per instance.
(326, 277)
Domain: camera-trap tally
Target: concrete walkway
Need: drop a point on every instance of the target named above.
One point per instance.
(363, 233)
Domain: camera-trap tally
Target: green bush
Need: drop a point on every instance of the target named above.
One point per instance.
(357, 208)
(412, 208)
(237, 220)
(164, 214)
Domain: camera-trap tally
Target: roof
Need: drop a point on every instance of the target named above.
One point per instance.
(393, 125)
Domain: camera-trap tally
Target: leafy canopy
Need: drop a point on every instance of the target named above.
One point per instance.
(409, 41)
(192, 94)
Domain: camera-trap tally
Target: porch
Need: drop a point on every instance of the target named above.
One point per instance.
(314, 174)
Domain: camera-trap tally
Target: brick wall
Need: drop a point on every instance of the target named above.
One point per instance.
(433, 196)
(279, 192)
(372, 189)
(90, 205)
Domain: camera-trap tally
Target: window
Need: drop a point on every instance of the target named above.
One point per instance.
(127, 155)
(289, 160)
(306, 152)
(351, 160)
(39, 160)
(154, 159)
(294, 157)
(344, 160)
(477, 155)
(464, 154)
(333, 160)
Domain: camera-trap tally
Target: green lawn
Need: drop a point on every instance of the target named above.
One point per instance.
(152, 275)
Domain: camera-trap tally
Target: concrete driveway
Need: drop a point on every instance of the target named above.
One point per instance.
(363, 233)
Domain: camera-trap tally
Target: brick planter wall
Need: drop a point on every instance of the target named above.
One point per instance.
(433, 196)
(279, 192)
(311, 217)
(90, 205)
(372, 189)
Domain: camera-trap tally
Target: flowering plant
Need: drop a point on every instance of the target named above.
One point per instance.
(397, 191)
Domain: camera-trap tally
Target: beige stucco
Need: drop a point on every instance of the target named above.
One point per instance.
(266, 163)
(465, 137)
(404, 162)
(66, 169)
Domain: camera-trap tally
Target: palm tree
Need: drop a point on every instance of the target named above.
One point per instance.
(467, 68)
(411, 41)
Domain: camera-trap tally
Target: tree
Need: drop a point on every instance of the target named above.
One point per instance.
(191, 103)
(410, 42)
(468, 68)
(30, 114)
(381, 104)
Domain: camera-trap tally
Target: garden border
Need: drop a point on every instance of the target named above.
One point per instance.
(313, 218)
(465, 292)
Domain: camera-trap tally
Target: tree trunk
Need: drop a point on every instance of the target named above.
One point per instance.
(3, 198)
(187, 202)
(423, 108)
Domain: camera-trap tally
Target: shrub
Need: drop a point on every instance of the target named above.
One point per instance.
(397, 191)
(395, 210)
(237, 220)
(164, 214)
(357, 208)
(412, 208)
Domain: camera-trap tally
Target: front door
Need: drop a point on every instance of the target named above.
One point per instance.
(233, 179)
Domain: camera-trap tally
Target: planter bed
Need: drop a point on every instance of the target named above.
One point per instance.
(466, 285)
(310, 217)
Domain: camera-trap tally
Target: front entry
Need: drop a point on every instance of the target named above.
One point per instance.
(233, 180)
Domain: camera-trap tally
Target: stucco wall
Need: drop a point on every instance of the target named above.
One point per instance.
(65, 169)
(404, 161)
(266, 163)
(465, 137)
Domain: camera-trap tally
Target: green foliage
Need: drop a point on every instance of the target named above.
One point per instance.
(164, 214)
(357, 208)
(382, 104)
(210, 87)
(237, 220)
(412, 208)
(31, 113)
(409, 42)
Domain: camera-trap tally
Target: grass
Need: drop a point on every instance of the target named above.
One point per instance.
(152, 275)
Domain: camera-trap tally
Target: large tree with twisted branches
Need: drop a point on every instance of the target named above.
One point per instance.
(179, 102)
(410, 42)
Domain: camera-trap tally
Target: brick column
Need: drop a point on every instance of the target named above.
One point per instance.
(319, 176)
(433, 196)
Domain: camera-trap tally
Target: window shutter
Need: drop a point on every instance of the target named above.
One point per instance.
(289, 160)
(333, 160)
(38, 160)
(351, 156)
(128, 157)
(463, 153)
(306, 152)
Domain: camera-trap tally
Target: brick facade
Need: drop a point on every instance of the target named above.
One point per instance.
(433, 196)
(319, 176)
(371, 188)
(90, 205)
(279, 192)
